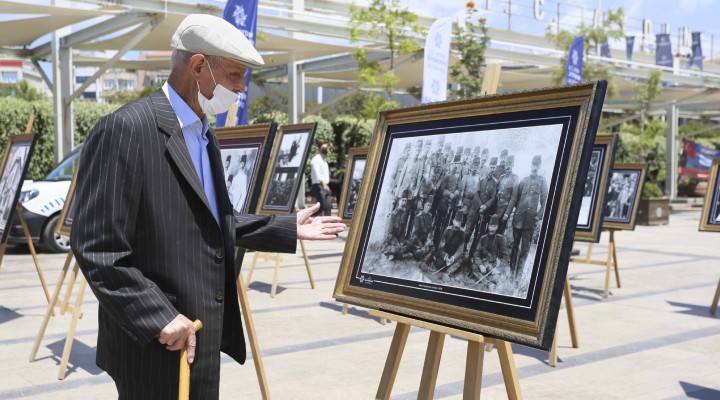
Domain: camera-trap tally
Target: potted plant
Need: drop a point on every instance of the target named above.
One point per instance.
(654, 206)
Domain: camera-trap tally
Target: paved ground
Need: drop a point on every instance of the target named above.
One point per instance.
(652, 339)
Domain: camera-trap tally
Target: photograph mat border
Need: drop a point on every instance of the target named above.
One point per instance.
(352, 154)
(593, 235)
(630, 225)
(533, 286)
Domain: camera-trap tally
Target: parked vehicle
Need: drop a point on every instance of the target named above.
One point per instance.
(42, 201)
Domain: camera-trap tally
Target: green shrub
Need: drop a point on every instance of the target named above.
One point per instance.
(651, 190)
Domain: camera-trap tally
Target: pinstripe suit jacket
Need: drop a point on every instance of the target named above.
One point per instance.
(150, 248)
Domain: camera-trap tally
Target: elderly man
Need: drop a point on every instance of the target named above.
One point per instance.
(154, 231)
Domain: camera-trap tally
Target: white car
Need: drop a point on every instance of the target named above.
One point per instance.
(42, 201)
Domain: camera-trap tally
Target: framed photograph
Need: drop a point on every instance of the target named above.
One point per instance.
(623, 196)
(467, 211)
(244, 151)
(14, 166)
(710, 217)
(287, 169)
(589, 225)
(64, 226)
(354, 171)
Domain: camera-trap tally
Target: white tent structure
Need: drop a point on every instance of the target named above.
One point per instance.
(304, 42)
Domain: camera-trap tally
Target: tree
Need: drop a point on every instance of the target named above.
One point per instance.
(21, 90)
(612, 27)
(471, 41)
(649, 89)
(383, 20)
(268, 104)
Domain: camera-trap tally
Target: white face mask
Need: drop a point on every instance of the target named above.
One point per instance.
(221, 101)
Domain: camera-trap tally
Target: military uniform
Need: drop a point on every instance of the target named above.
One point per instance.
(421, 232)
(506, 189)
(450, 248)
(447, 193)
(529, 204)
(394, 242)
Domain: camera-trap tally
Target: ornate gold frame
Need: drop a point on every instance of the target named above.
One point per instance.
(593, 234)
(352, 154)
(633, 213)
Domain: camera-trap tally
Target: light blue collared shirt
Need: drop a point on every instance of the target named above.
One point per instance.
(195, 133)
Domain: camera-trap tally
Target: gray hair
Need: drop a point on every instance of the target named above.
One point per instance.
(182, 57)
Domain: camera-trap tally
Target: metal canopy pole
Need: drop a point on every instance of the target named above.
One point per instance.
(292, 87)
(671, 152)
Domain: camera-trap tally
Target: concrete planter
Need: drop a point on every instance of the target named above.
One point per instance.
(654, 211)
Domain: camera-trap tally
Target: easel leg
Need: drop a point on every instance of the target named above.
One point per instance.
(275, 276)
(509, 371)
(714, 306)
(570, 314)
(615, 260)
(393, 361)
(68, 293)
(252, 339)
(552, 356)
(51, 306)
(31, 246)
(307, 263)
(71, 332)
(431, 366)
(2, 252)
(252, 268)
(473, 370)
(608, 268)
(589, 253)
(345, 308)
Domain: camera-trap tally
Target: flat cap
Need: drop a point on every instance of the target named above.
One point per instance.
(213, 36)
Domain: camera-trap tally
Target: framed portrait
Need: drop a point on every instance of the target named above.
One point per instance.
(590, 219)
(287, 168)
(354, 171)
(14, 166)
(64, 226)
(244, 152)
(467, 211)
(623, 196)
(710, 217)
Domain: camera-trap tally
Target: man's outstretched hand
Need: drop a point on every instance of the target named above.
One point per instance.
(317, 228)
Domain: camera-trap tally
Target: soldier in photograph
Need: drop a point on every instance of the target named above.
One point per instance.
(448, 193)
(483, 168)
(506, 189)
(409, 180)
(420, 241)
(529, 205)
(487, 193)
(449, 252)
(469, 188)
(491, 255)
(395, 240)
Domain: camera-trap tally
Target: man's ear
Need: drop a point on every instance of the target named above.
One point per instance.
(196, 64)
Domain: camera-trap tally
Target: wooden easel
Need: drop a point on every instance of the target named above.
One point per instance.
(26, 231)
(76, 312)
(252, 338)
(610, 263)
(278, 259)
(714, 305)
(552, 358)
(474, 360)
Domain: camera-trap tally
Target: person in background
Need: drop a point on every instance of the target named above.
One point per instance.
(320, 177)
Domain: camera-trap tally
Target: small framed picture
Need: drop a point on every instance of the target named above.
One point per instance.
(710, 217)
(467, 211)
(590, 220)
(623, 196)
(354, 172)
(286, 169)
(244, 152)
(14, 166)
(64, 226)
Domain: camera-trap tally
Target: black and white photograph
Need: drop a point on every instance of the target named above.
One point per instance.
(354, 172)
(468, 208)
(13, 171)
(287, 168)
(464, 209)
(238, 165)
(589, 224)
(623, 196)
(710, 217)
(244, 152)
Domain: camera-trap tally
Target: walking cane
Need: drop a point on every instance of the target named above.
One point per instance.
(184, 385)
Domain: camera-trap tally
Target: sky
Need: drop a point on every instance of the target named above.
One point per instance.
(699, 15)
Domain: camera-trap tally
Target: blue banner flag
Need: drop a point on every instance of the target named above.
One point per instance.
(697, 57)
(663, 50)
(605, 50)
(435, 66)
(629, 44)
(574, 65)
(243, 15)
